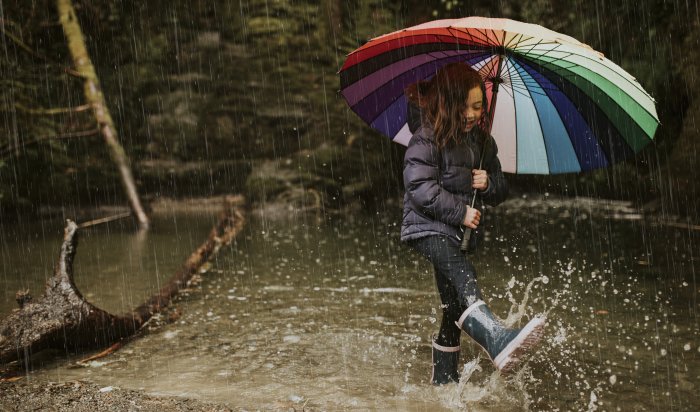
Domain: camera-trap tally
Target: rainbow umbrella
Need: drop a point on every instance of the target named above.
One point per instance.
(556, 105)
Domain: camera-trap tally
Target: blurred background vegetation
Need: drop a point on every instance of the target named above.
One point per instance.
(224, 96)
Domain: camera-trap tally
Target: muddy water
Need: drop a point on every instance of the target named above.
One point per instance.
(331, 316)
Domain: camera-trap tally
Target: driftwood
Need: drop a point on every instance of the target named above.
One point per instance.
(63, 319)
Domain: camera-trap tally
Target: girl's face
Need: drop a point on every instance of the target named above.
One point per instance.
(474, 109)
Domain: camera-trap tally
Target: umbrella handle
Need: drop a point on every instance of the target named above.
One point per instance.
(464, 247)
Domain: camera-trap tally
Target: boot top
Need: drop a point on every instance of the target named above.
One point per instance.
(445, 364)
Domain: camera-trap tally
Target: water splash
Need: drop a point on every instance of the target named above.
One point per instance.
(518, 309)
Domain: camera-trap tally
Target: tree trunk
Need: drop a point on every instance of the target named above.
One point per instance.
(63, 319)
(94, 96)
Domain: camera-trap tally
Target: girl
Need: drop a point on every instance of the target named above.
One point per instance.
(441, 175)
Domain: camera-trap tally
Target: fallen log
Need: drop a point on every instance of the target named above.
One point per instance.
(63, 319)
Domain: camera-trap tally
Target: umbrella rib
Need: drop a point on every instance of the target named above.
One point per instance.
(436, 56)
(520, 37)
(546, 53)
(489, 65)
(427, 35)
(472, 37)
(561, 70)
(352, 71)
(596, 95)
(409, 34)
(486, 35)
(519, 87)
(632, 82)
(515, 114)
(522, 83)
(469, 33)
(561, 117)
(565, 72)
(397, 97)
(539, 42)
(607, 151)
(516, 86)
(552, 58)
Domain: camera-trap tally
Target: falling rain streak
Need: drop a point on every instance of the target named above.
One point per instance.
(317, 305)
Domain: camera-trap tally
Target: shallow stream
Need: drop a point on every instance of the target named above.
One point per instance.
(335, 314)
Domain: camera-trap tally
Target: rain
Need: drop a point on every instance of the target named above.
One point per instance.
(176, 107)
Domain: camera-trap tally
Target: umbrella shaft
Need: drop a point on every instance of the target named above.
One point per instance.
(495, 82)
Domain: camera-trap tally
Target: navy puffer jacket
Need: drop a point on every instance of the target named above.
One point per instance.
(438, 183)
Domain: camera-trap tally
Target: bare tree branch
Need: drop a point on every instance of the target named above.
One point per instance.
(7, 149)
(53, 110)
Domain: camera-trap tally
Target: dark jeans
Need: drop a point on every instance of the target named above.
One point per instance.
(456, 282)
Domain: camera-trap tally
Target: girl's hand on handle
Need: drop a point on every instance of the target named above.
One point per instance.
(472, 218)
(480, 179)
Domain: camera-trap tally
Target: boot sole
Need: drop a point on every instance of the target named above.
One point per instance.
(518, 348)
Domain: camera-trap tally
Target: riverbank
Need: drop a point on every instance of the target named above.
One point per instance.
(81, 395)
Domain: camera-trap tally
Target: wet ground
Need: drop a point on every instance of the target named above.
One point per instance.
(331, 314)
(81, 396)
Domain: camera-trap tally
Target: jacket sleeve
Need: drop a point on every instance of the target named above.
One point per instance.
(420, 178)
(497, 190)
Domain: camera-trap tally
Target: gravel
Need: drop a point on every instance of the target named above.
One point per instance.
(83, 396)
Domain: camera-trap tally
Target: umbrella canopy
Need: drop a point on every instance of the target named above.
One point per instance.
(557, 105)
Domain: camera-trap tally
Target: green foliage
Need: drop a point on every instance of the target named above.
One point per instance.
(202, 81)
(37, 94)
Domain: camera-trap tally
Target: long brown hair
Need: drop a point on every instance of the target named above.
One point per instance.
(443, 99)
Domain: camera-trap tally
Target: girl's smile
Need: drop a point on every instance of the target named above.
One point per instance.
(474, 109)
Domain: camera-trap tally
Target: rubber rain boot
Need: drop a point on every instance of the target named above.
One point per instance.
(506, 347)
(445, 364)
